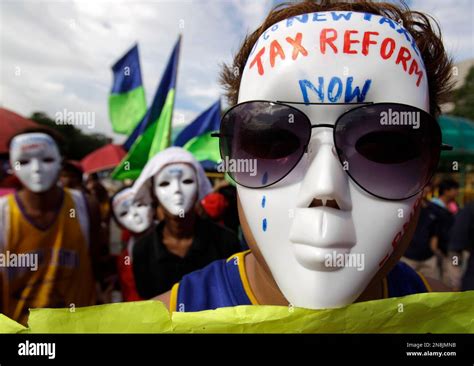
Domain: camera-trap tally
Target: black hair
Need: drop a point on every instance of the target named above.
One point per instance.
(446, 185)
(56, 136)
(71, 168)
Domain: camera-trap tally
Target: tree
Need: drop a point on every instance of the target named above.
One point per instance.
(464, 97)
(77, 144)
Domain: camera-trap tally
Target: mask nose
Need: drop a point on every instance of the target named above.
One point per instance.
(176, 186)
(325, 180)
(35, 166)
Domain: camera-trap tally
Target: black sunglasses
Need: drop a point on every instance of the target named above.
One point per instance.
(390, 150)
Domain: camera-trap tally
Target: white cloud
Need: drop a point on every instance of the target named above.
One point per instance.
(57, 55)
(182, 117)
(456, 23)
(251, 13)
(210, 91)
(64, 50)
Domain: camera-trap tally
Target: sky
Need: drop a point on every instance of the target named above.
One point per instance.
(56, 55)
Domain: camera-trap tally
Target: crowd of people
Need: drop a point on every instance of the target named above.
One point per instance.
(171, 222)
(316, 194)
(444, 237)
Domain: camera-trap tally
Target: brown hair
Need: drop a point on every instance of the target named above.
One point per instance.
(424, 29)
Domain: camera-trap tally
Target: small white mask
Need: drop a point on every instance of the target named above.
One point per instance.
(176, 188)
(36, 160)
(133, 215)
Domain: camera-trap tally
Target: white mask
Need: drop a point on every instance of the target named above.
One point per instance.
(296, 241)
(134, 215)
(36, 160)
(176, 188)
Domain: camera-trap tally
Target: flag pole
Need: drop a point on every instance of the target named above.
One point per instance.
(180, 36)
(140, 67)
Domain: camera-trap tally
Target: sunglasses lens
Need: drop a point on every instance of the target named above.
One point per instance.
(389, 150)
(261, 142)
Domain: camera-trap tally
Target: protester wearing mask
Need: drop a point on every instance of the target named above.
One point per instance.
(53, 228)
(182, 242)
(333, 196)
(135, 219)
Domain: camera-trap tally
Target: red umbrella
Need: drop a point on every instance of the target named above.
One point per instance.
(104, 158)
(10, 124)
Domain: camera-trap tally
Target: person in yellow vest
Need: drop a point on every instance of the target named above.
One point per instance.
(45, 234)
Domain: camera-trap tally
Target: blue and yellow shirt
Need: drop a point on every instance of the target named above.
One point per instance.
(224, 283)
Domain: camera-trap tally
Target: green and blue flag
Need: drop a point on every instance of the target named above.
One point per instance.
(153, 133)
(127, 102)
(197, 139)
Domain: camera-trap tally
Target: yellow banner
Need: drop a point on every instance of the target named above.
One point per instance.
(422, 313)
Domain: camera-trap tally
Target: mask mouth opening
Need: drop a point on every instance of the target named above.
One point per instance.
(324, 202)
